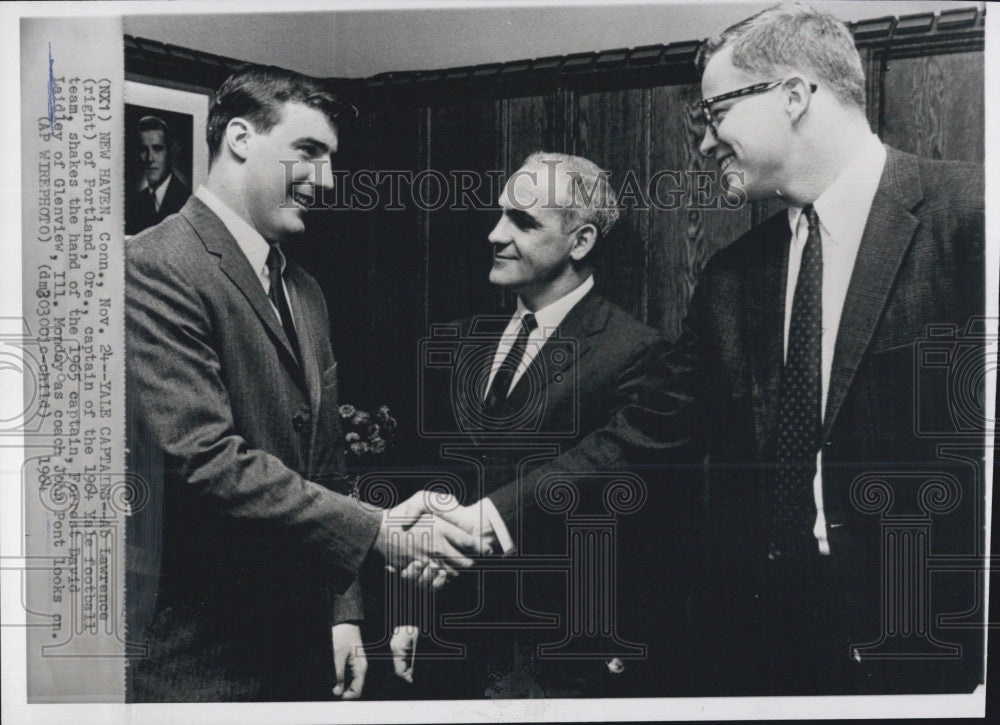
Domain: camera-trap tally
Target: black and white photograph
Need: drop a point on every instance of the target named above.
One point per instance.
(163, 147)
(636, 359)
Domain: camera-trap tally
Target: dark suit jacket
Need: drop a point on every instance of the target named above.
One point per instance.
(588, 411)
(139, 217)
(889, 410)
(244, 542)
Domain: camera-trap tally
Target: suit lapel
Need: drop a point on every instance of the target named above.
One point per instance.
(217, 240)
(886, 238)
(304, 330)
(765, 316)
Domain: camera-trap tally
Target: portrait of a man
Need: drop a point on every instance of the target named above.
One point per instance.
(161, 183)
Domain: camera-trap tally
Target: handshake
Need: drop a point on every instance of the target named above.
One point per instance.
(429, 537)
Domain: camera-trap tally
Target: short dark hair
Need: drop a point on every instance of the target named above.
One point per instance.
(794, 35)
(258, 93)
(155, 123)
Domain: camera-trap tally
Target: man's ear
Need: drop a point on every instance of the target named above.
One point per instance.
(238, 132)
(797, 98)
(584, 239)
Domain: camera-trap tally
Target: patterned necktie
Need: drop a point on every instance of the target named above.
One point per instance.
(793, 509)
(497, 394)
(278, 299)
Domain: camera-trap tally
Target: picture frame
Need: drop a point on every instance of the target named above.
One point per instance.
(185, 114)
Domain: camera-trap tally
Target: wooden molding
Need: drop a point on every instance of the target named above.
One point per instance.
(879, 39)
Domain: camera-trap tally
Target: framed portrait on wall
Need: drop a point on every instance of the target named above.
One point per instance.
(165, 153)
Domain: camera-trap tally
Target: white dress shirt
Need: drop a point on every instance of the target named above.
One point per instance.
(161, 191)
(250, 242)
(548, 318)
(843, 210)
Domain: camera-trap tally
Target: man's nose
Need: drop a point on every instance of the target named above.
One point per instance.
(498, 235)
(320, 173)
(708, 141)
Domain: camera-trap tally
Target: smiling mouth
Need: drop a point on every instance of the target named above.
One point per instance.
(726, 161)
(497, 256)
(302, 200)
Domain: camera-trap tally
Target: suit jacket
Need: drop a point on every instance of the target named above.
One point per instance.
(584, 417)
(139, 217)
(244, 541)
(891, 409)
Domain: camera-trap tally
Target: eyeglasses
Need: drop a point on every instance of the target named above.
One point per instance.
(706, 105)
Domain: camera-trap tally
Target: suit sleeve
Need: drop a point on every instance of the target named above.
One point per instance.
(348, 606)
(645, 426)
(175, 375)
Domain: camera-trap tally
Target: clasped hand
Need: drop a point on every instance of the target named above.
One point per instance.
(473, 521)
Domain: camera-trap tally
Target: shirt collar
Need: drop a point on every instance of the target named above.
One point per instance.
(250, 241)
(160, 190)
(844, 206)
(552, 315)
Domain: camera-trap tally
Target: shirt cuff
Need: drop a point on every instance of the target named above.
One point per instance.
(499, 527)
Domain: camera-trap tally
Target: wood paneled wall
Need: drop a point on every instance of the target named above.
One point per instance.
(394, 273)
(389, 274)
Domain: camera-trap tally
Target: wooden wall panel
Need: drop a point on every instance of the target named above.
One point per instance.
(335, 252)
(397, 271)
(389, 274)
(463, 137)
(530, 125)
(934, 106)
(611, 128)
(683, 234)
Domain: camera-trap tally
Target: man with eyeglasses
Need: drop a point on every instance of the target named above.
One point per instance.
(822, 426)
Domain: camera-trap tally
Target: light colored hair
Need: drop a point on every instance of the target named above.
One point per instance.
(794, 36)
(591, 200)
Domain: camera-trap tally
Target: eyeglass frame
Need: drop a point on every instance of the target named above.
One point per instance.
(755, 89)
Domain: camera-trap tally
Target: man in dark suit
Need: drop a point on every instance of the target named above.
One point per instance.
(839, 474)
(569, 384)
(249, 551)
(161, 192)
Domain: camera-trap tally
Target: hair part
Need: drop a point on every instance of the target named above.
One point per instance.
(258, 94)
(790, 37)
(591, 199)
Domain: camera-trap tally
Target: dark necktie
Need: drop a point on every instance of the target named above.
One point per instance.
(497, 394)
(150, 202)
(793, 510)
(278, 299)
